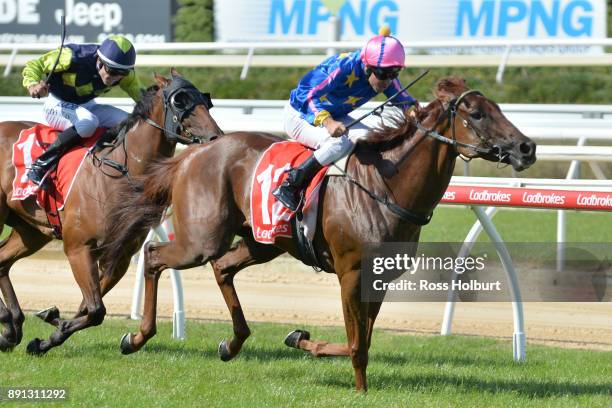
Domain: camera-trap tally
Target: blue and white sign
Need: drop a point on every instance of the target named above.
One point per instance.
(410, 20)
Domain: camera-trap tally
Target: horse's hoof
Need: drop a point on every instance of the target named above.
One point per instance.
(293, 339)
(127, 344)
(223, 350)
(49, 314)
(34, 349)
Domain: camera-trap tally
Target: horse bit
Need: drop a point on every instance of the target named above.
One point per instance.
(452, 112)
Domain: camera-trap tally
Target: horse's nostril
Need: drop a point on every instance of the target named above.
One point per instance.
(526, 148)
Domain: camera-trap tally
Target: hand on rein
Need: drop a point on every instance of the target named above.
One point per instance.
(335, 128)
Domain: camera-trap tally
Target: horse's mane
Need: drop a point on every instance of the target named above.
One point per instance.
(388, 136)
(141, 111)
(402, 126)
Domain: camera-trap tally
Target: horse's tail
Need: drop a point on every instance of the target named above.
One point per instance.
(139, 205)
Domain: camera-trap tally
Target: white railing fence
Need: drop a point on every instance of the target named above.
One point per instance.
(496, 53)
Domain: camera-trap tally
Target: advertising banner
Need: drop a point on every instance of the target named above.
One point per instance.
(31, 21)
(409, 20)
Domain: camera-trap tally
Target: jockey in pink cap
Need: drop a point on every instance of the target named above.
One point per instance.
(384, 52)
(317, 112)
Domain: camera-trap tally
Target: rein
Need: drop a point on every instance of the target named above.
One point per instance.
(175, 136)
(400, 212)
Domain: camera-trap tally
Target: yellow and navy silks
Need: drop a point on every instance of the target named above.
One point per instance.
(76, 77)
(336, 87)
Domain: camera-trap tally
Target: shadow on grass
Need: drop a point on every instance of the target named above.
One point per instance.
(527, 387)
(268, 351)
(417, 358)
(206, 351)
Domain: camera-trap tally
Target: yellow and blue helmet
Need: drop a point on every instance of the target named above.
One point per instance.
(117, 52)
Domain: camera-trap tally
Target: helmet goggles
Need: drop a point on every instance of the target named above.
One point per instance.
(385, 74)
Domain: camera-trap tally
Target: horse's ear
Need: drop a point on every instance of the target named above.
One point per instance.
(161, 81)
(449, 88)
(174, 73)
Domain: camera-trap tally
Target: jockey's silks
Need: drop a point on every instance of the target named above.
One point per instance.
(336, 87)
(76, 77)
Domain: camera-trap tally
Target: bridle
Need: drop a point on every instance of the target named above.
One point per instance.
(451, 112)
(175, 111)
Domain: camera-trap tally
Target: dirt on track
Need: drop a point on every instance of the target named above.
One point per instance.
(285, 291)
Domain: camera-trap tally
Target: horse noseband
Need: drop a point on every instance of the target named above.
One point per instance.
(180, 99)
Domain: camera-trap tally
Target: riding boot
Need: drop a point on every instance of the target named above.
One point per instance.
(289, 193)
(51, 156)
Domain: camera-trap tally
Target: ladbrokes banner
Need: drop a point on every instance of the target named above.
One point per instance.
(410, 20)
(28, 21)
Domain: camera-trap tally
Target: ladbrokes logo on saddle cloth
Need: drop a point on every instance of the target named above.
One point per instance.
(269, 218)
(27, 149)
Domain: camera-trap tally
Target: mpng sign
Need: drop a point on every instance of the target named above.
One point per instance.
(86, 20)
(410, 20)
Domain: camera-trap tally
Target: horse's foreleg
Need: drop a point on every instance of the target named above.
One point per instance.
(107, 282)
(300, 339)
(23, 241)
(85, 272)
(355, 320)
(245, 253)
(319, 348)
(373, 309)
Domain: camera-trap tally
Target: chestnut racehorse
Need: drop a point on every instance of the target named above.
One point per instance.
(209, 189)
(173, 109)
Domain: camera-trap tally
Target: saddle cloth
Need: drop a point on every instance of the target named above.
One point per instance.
(29, 146)
(269, 218)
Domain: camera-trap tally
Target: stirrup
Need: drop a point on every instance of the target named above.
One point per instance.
(287, 198)
(36, 179)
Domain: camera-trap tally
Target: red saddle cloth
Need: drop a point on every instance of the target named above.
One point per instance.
(28, 148)
(269, 218)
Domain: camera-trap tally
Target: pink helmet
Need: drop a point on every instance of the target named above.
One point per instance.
(383, 51)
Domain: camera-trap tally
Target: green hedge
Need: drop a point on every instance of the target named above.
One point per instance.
(194, 21)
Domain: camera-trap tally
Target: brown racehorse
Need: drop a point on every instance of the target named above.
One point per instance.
(209, 190)
(150, 135)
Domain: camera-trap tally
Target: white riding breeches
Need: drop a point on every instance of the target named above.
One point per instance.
(86, 118)
(328, 149)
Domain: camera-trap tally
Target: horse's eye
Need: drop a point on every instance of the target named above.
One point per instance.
(476, 115)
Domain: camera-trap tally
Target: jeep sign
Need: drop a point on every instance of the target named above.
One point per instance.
(86, 20)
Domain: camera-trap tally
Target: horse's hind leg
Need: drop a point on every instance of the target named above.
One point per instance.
(245, 253)
(23, 241)
(182, 253)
